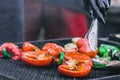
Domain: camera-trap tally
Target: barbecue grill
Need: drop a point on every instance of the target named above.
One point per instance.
(17, 70)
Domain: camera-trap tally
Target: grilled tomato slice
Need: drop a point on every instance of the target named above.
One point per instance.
(53, 49)
(36, 59)
(76, 65)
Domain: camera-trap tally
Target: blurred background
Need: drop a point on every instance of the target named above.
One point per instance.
(11, 21)
(28, 20)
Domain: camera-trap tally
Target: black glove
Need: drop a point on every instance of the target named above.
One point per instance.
(97, 8)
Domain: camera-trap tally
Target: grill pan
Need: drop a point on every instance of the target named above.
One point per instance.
(17, 70)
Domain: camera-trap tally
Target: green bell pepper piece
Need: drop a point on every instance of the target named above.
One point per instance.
(61, 56)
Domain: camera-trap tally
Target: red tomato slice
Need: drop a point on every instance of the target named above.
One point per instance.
(84, 47)
(29, 47)
(35, 59)
(52, 49)
(12, 49)
(76, 65)
(81, 71)
(78, 56)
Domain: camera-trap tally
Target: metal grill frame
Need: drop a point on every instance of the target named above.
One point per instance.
(17, 70)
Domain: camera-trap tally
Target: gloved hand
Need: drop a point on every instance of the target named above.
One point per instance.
(97, 8)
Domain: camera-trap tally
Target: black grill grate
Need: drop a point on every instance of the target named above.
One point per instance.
(17, 70)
